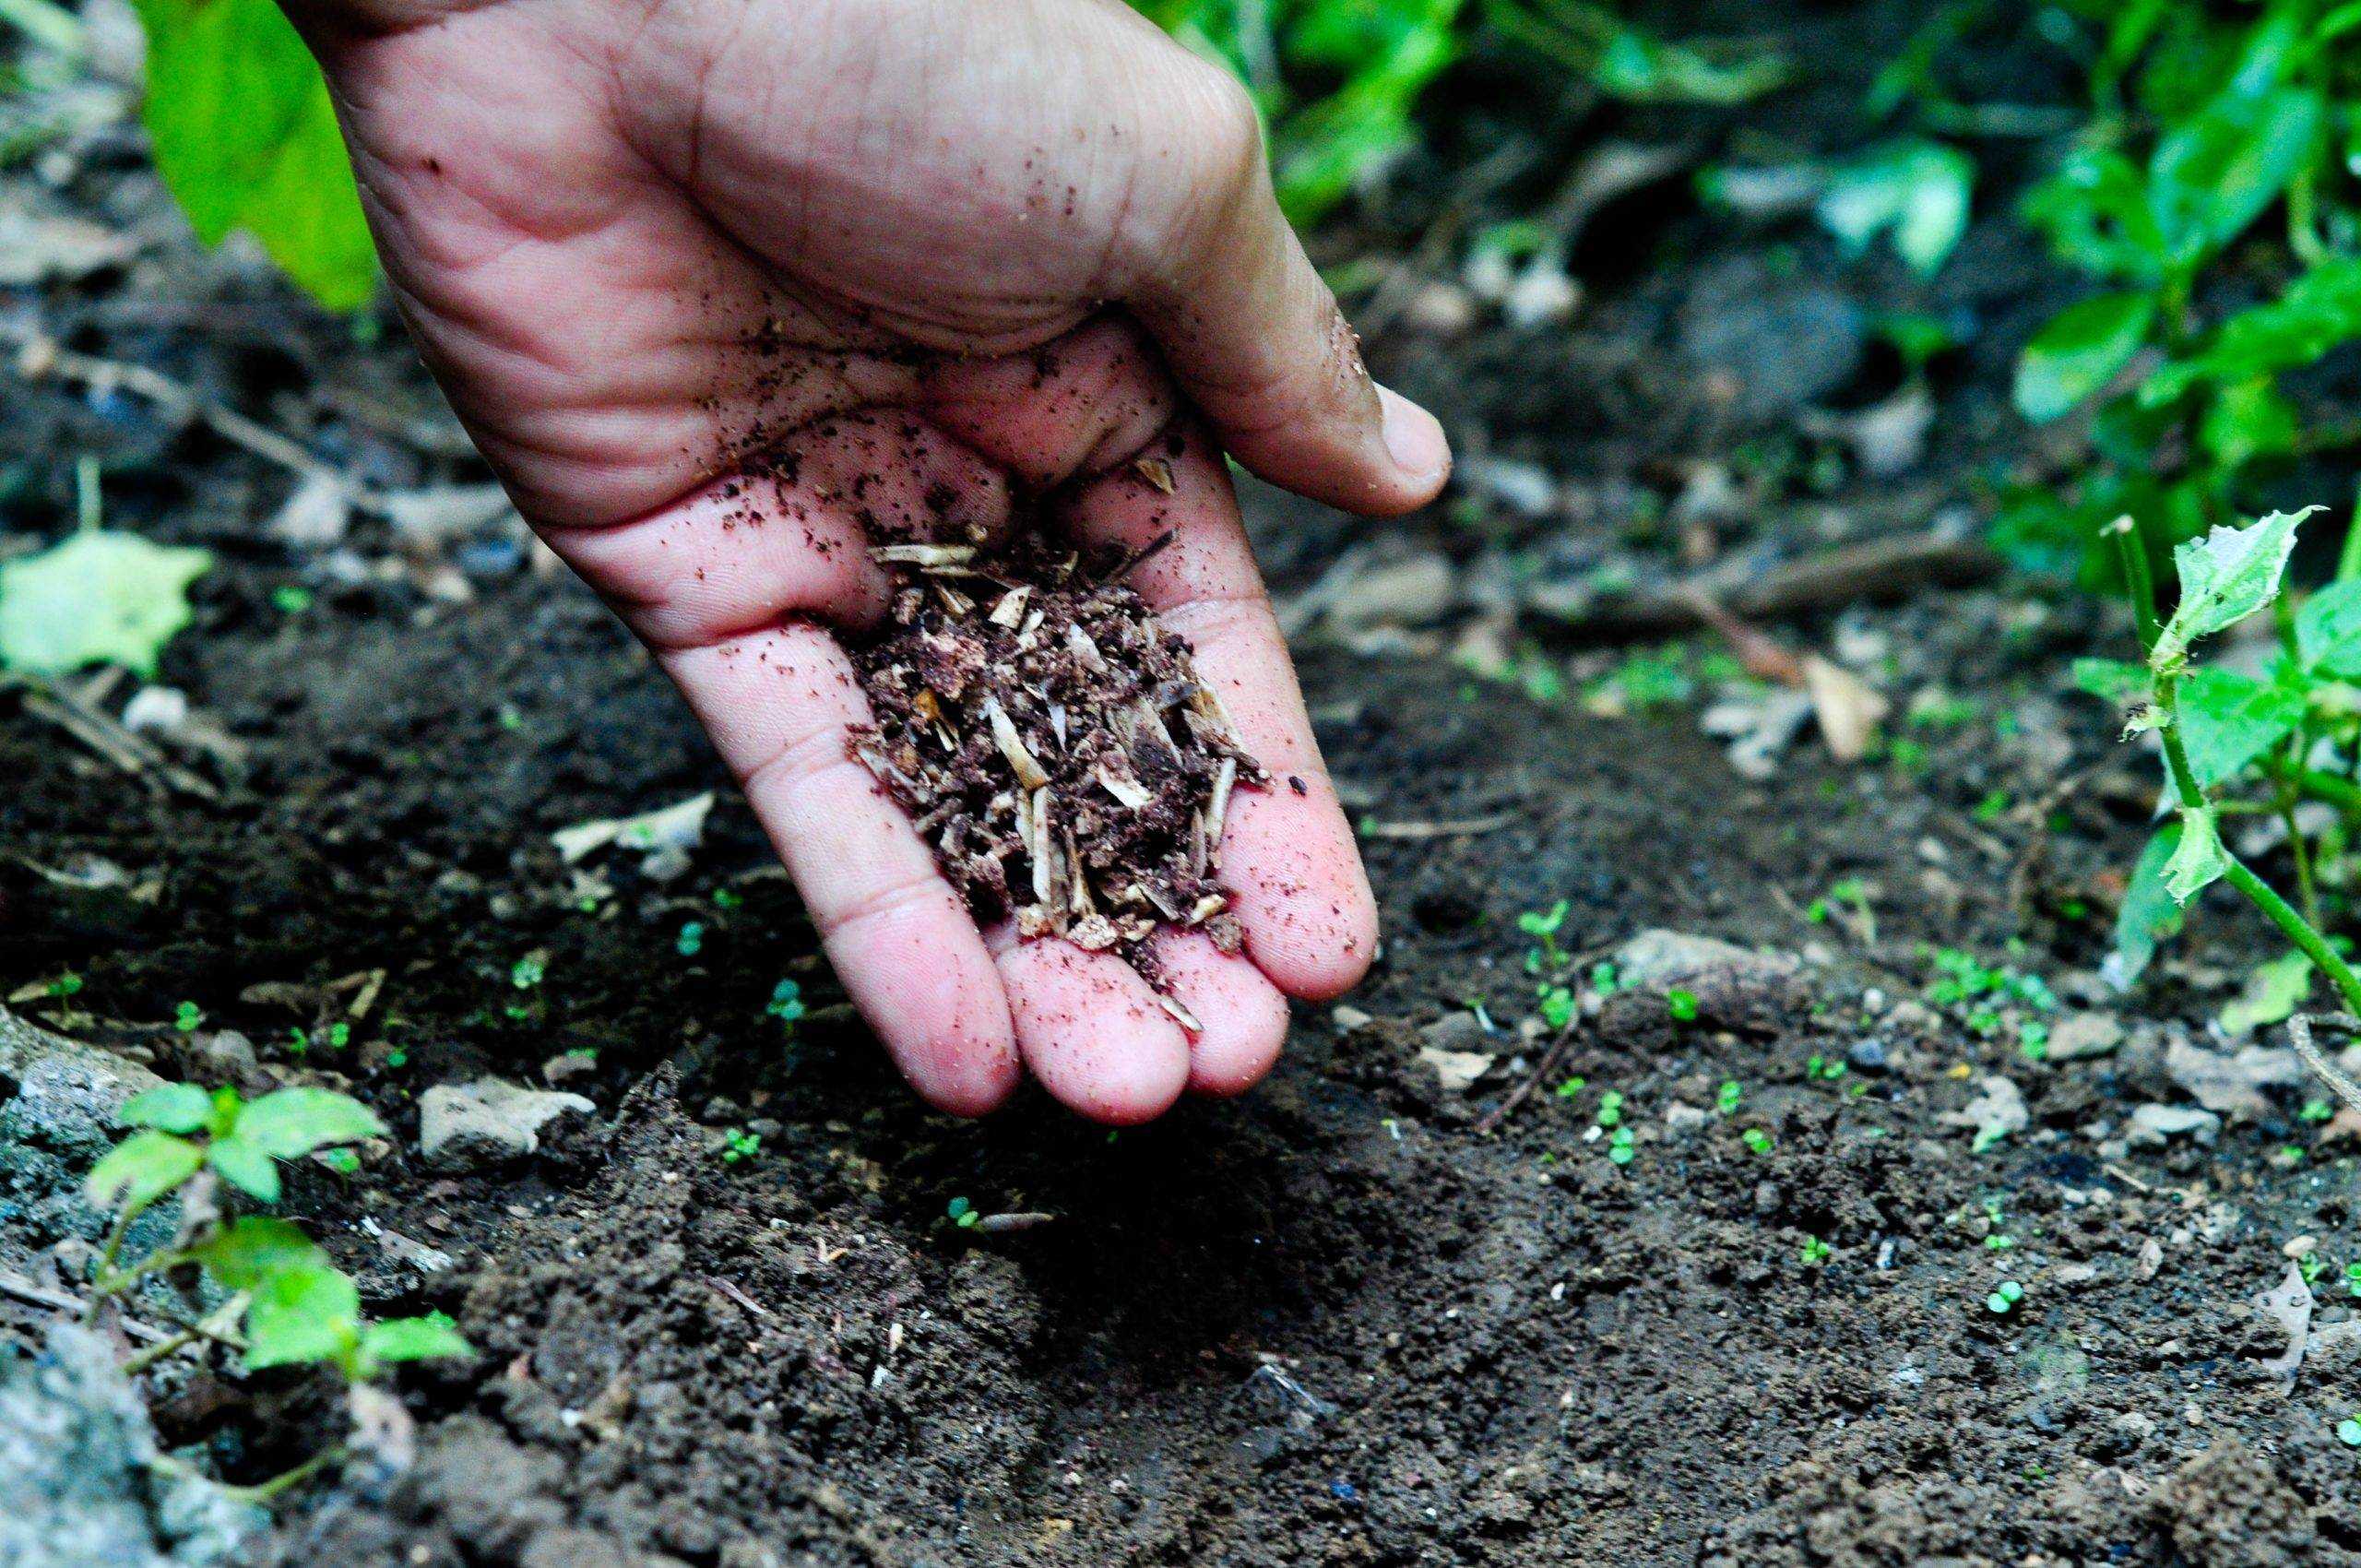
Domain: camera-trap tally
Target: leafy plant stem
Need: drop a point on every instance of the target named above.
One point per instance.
(2306, 892)
(265, 1491)
(2305, 937)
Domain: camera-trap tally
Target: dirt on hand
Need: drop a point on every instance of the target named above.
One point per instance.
(1052, 742)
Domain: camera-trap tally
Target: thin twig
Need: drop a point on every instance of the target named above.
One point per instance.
(2299, 1030)
(1464, 828)
(1516, 1097)
(17, 1287)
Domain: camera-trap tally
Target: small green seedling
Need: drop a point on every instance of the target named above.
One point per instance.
(1815, 1252)
(1681, 1004)
(2316, 1110)
(2311, 1265)
(1610, 1107)
(1545, 956)
(294, 1305)
(1756, 1139)
(1726, 1098)
(738, 1144)
(1823, 1069)
(1620, 1147)
(1571, 1086)
(961, 1213)
(691, 941)
(2353, 1280)
(2348, 1432)
(786, 1003)
(2004, 1297)
(187, 1016)
(528, 971)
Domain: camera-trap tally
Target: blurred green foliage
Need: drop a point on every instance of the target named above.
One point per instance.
(245, 138)
(2206, 123)
(1339, 82)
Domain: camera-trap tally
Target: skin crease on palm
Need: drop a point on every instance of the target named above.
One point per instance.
(695, 272)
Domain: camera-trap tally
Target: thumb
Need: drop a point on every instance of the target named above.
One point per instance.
(1256, 339)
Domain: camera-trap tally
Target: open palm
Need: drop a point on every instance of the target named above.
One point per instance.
(717, 284)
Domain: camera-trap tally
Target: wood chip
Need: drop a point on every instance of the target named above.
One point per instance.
(1030, 772)
(922, 555)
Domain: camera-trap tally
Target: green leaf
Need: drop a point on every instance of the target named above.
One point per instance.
(174, 1108)
(288, 1122)
(245, 137)
(2248, 421)
(413, 1339)
(2225, 577)
(99, 597)
(254, 1248)
(2201, 861)
(1915, 191)
(141, 1168)
(2272, 994)
(2149, 914)
(2227, 719)
(2216, 171)
(2328, 631)
(1641, 69)
(2320, 312)
(2080, 350)
(2113, 680)
(245, 1167)
(303, 1313)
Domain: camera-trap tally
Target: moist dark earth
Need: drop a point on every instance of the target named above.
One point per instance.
(1399, 1305)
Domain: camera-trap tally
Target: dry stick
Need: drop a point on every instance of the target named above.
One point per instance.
(19, 1289)
(39, 357)
(1879, 568)
(2299, 1030)
(1516, 1095)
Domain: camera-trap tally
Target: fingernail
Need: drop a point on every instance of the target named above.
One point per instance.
(1413, 437)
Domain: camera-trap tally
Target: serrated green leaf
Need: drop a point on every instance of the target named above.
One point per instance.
(2080, 350)
(2328, 631)
(141, 1168)
(413, 1339)
(245, 137)
(2225, 577)
(2227, 719)
(1917, 192)
(2149, 914)
(299, 1315)
(245, 1167)
(2113, 680)
(172, 1108)
(253, 1247)
(2273, 992)
(99, 597)
(292, 1121)
(2200, 861)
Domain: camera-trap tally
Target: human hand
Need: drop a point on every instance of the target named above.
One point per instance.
(710, 282)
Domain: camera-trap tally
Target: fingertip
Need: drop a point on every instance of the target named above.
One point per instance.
(1093, 1033)
(1420, 449)
(1294, 880)
(1241, 1017)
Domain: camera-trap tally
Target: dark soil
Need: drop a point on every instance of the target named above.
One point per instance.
(1358, 1316)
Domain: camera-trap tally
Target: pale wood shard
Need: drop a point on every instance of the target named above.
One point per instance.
(1028, 770)
(1206, 909)
(1188, 1020)
(923, 556)
(1010, 610)
(1128, 792)
(1157, 471)
(1217, 805)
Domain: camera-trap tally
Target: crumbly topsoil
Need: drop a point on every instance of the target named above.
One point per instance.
(1053, 743)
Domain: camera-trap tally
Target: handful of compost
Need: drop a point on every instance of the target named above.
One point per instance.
(1052, 742)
